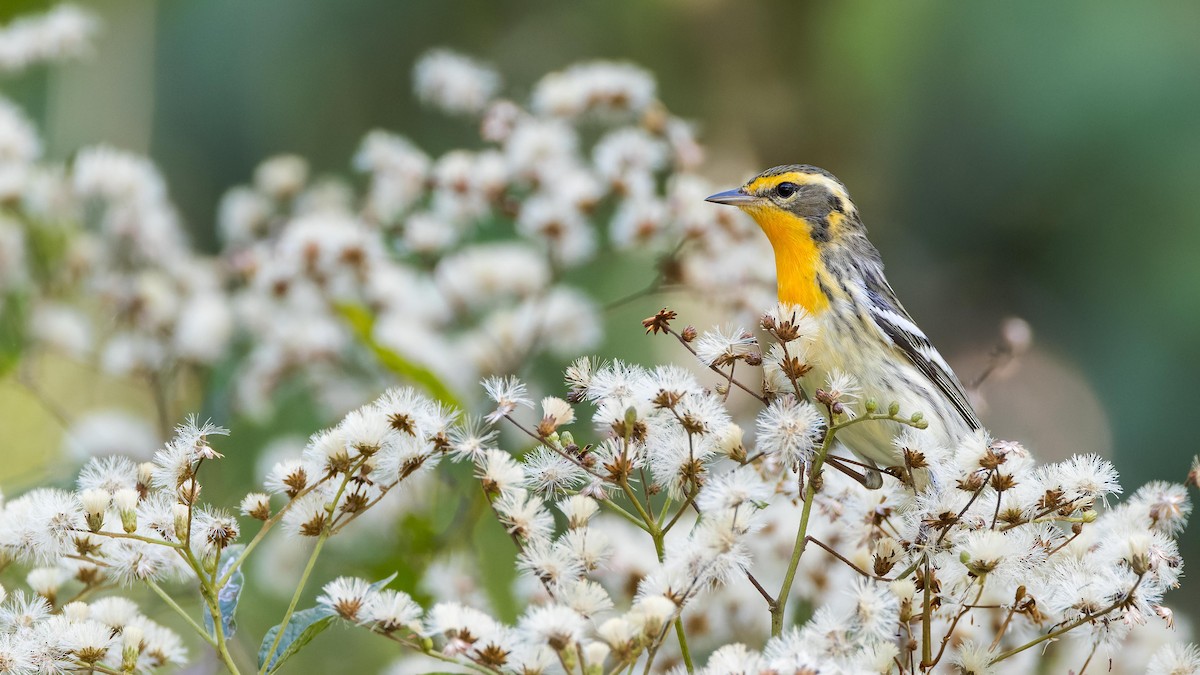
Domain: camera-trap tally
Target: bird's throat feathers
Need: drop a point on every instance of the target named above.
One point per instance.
(797, 257)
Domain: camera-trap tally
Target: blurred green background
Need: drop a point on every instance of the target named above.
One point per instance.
(1023, 158)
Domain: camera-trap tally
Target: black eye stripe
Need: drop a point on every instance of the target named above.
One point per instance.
(786, 190)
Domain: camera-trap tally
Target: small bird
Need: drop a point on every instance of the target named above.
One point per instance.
(825, 264)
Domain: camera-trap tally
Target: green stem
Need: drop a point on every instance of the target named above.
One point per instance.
(331, 509)
(927, 617)
(683, 644)
(180, 611)
(308, 568)
(97, 668)
(657, 533)
(138, 537)
(780, 605)
(219, 628)
(609, 504)
(262, 532)
(1069, 627)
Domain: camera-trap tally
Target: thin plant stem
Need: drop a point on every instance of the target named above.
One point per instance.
(683, 643)
(954, 624)
(326, 531)
(181, 612)
(927, 617)
(308, 568)
(1071, 626)
(762, 399)
(138, 537)
(262, 532)
(97, 668)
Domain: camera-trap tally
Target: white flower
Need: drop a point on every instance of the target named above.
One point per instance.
(453, 82)
(499, 472)
(281, 176)
(45, 581)
(508, 393)
(1166, 505)
(723, 346)
(392, 610)
(734, 659)
(398, 170)
(560, 226)
(618, 632)
(113, 174)
(289, 477)
(733, 489)
(548, 472)
(38, 526)
(61, 33)
(243, 216)
(1085, 477)
(523, 515)
(601, 86)
(471, 440)
(366, 431)
(650, 614)
(789, 428)
(307, 515)
(18, 139)
(1175, 659)
(347, 597)
(628, 151)
(539, 147)
(578, 509)
(113, 473)
(558, 411)
(842, 387)
(974, 658)
(590, 547)
(483, 274)
(60, 326)
(638, 222)
(554, 625)
(204, 328)
(256, 505)
(88, 641)
(454, 621)
(586, 597)
(550, 563)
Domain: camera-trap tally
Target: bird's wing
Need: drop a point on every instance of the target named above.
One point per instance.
(898, 326)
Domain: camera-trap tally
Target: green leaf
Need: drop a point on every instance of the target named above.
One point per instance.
(363, 324)
(13, 312)
(301, 629)
(378, 585)
(227, 595)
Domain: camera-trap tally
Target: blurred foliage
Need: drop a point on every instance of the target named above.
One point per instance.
(1026, 158)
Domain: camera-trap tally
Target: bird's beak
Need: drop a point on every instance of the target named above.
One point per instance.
(735, 197)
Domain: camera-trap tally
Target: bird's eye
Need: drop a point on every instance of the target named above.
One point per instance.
(786, 190)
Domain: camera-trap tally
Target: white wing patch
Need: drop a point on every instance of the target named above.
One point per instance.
(911, 340)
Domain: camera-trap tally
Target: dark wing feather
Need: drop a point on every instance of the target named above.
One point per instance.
(904, 333)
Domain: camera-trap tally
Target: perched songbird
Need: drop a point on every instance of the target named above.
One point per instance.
(825, 263)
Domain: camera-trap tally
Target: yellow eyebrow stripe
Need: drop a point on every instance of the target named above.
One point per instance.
(764, 183)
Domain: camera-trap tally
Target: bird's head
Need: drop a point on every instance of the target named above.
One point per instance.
(794, 202)
(807, 214)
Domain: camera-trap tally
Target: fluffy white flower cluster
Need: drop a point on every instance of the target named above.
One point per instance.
(128, 524)
(80, 636)
(452, 266)
(420, 247)
(63, 32)
(994, 558)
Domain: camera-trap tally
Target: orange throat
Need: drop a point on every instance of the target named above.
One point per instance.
(796, 258)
